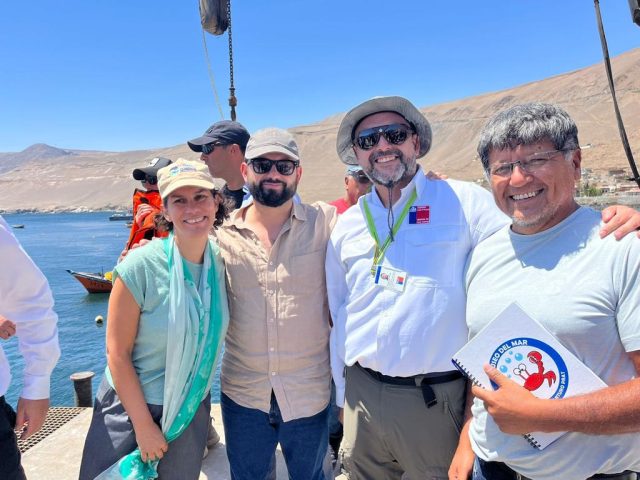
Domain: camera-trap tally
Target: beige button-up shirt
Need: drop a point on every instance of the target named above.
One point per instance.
(278, 336)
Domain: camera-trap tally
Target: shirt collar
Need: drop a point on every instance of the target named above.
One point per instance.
(236, 218)
(419, 182)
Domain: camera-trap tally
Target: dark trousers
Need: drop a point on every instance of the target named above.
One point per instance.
(252, 437)
(10, 468)
(499, 471)
(111, 436)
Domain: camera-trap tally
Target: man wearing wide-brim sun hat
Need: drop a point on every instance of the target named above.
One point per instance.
(394, 280)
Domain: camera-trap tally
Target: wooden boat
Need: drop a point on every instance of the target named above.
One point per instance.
(93, 282)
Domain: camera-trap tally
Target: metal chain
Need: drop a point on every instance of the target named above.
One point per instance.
(233, 101)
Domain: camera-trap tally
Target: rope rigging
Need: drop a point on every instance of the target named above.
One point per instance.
(621, 129)
(215, 16)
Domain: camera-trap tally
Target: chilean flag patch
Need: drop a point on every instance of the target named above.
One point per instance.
(419, 214)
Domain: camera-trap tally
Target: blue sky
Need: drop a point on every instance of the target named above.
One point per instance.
(123, 75)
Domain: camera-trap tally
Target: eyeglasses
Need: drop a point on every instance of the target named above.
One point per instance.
(264, 165)
(395, 134)
(151, 180)
(209, 147)
(529, 164)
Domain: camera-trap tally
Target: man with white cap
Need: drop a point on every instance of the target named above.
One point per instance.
(394, 277)
(275, 375)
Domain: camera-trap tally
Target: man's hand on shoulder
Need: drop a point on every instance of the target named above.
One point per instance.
(431, 175)
(124, 252)
(7, 328)
(30, 416)
(620, 220)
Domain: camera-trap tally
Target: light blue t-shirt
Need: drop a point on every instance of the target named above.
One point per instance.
(144, 272)
(584, 290)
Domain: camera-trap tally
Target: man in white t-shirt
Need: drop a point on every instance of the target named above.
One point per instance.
(582, 288)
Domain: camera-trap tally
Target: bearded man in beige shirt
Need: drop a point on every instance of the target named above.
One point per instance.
(275, 370)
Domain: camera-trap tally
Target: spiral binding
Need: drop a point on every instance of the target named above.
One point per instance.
(528, 437)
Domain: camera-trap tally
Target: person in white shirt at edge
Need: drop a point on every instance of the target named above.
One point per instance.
(394, 271)
(583, 289)
(26, 311)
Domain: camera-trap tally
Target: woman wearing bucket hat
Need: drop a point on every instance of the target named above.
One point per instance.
(167, 319)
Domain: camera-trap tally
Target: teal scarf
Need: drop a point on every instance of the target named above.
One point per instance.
(198, 319)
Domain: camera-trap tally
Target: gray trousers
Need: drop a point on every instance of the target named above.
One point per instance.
(388, 429)
(111, 436)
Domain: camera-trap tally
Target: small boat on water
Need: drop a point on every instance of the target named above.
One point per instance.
(121, 216)
(18, 226)
(93, 282)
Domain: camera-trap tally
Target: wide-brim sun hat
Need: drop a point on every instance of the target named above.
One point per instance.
(399, 105)
(183, 173)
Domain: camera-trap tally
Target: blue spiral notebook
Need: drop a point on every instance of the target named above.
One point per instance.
(524, 351)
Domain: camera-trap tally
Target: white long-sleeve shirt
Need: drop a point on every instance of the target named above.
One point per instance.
(26, 299)
(416, 331)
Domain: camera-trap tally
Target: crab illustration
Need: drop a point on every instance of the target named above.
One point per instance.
(533, 381)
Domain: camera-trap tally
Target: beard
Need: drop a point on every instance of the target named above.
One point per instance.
(270, 197)
(405, 168)
(543, 217)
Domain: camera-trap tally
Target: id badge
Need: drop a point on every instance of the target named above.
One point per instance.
(390, 278)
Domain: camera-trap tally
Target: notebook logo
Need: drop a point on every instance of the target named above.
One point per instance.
(534, 365)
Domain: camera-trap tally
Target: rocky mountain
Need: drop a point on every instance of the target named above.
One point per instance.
(47, 178)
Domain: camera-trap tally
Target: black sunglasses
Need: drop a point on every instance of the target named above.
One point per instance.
(209, 147)
(151, 180)
(264, 165)
(394, 134)
(361, 177)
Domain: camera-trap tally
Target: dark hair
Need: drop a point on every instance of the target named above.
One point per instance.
(224, 208)
(527, 124)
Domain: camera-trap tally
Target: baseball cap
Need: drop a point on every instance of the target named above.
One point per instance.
(356, 172)
(183, 173)
(151, 169)
(272, 140)
(399, 105)
(224, 132)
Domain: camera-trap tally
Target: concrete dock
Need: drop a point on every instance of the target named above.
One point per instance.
(57, 455)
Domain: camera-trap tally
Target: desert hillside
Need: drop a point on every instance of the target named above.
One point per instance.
(48, 178)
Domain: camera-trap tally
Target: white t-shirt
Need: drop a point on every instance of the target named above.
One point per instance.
(584, 290)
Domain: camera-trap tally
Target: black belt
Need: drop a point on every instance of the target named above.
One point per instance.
(499, 468)
(423, 381)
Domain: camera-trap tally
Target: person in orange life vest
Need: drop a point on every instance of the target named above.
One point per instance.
(146, 204)
(356, 184)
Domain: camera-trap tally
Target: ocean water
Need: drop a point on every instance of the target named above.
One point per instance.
(86, 242)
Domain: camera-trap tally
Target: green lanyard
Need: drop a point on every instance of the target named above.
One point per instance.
(380, 250)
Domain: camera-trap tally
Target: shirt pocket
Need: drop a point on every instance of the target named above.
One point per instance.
(431, 256)
(306, 274)
(359, 249)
